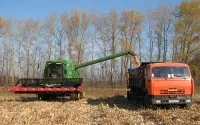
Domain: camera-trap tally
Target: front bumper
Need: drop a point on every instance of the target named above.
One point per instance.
(168, 99)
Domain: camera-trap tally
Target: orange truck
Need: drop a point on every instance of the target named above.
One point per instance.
(158, 83)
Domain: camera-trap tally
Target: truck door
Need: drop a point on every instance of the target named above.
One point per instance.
(148, 79)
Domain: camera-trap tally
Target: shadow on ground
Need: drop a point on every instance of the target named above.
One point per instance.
(31, 99)
(27, 99)
(119, 101)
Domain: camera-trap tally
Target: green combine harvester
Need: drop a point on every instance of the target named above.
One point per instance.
(61, 78)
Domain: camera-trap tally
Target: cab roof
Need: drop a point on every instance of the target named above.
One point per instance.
(164, 64)
(60, 61)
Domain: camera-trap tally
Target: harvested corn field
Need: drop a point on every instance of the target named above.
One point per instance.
(107, 106)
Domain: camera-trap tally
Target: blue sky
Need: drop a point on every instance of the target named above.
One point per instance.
(42, 8)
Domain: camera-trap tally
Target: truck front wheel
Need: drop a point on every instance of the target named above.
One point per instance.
(187, 106)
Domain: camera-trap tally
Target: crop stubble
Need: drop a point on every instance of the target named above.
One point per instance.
(95, 109)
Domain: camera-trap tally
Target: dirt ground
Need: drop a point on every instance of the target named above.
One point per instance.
(99, 107)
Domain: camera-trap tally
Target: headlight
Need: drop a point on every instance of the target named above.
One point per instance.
(158, 101)
(188, 101)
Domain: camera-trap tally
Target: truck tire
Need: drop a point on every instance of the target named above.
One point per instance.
(146, 101)
(128, 95)
(187, 106)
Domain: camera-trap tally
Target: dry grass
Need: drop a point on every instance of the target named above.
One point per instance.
(101, 106)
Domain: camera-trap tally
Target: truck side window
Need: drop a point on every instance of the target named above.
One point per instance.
(154, 72)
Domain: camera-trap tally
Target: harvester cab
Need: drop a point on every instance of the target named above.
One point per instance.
(61, 78)
(54, 70)
(60, 69)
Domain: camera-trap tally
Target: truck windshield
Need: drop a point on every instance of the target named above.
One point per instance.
(170, 72)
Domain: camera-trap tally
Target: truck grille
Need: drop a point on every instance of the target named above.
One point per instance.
(172, 91)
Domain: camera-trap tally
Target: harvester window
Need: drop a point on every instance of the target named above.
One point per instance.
(55, 70)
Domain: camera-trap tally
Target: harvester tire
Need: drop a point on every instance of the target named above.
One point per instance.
(53, 97)
(74, 96)
(82, 95)
(45, 97)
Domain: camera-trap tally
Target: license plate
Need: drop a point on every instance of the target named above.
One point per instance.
(173, 101)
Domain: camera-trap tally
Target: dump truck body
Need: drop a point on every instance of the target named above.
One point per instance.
(161, 83)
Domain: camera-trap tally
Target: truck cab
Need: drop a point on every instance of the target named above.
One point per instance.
(161, 83)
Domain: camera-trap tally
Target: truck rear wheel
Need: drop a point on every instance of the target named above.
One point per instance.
(146, 101)
(129, 95)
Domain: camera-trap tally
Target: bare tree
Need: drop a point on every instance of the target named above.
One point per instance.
(187, 31)
(160, 32)
(130, 28)
(101, 24)
(113, 29)
(8, 48)
(49, 35)
(30, 29)
(60, 36)
(75, 26)
(150, 25)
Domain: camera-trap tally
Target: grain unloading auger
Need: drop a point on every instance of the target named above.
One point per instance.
(61, 78)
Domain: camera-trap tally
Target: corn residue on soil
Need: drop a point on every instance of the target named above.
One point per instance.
(99, 110)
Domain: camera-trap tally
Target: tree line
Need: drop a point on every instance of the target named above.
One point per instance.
(162, 34)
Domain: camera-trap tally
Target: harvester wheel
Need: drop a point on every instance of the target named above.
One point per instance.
(82, 95)
(44, 97)
(53, 97)
(39, 96)
(74, 96)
